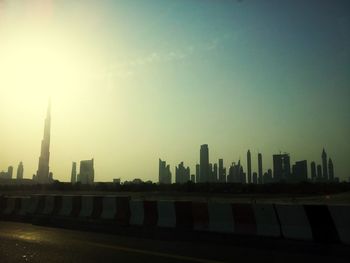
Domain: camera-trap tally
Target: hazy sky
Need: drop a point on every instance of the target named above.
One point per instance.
(134, 81)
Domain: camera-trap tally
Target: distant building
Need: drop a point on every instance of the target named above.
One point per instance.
(324, 165)
(197, 173)
(87, 172)
(73, 176)
(249, 167)
(222, 172)
(215, 173)
(236, 174)
(331, 170)
(204, 164)
(193, 178)
(20, 171)
(260, 169)
(10, 172)
(116, 181)
(313, 171)
(299, 172)
(319, 172)
(164, 173)
(182, 174)
(255, 178)
(281, 167)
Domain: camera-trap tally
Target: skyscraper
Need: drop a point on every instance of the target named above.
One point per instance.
(330, 170)
(87, 172)
(215, 173)
(164, 173)
(249, 167)
(324, 165)
(204, 163)
(299, 172)
(182, 174)
(10, 172)
(42, 174)
(260, 169)
(313, 171)
(197, 173)
(281, 167)
(319, 172)
(73, 177)
(255, 178)
(222, 171)
(20, 171)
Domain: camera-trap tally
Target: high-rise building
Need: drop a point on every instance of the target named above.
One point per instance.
(281, 167)
(204, 163)
(222, 171)
(330, 170)
(164, 173)
(73, 176)
(260, 169)
(299, 171)
(215, 173)
(255, 178)
(249, 167)
(324, 165)
(236, 174)
(20, 171)
(319, 172)
(313, 171)
(197, 173)
(182, 174)
(42, 174)
(10, 172)
(87, 172)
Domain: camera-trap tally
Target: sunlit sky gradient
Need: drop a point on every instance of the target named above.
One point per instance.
(132, 81)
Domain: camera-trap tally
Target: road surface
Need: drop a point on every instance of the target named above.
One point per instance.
(21, 242)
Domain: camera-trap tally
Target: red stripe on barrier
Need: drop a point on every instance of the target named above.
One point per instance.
(200, 215)
(244, 219)
(97, 207)
(123, 211)
(184, 217)
(150, 213)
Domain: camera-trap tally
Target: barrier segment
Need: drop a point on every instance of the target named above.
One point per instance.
(166, 214)
(341, 217)
(220, 217)
(244, 219)
(266, 220)
(109, 207)
(136, 212)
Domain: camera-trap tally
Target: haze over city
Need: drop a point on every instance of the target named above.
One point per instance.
(134, 81)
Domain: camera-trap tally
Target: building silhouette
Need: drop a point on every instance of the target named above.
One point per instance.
(42, 174)
(215, 173)
(324, 165)
(313, 171)
(249, 167)
(299, 172)
(8, 174)
(319, 172)
(222, 172)
(260, 169)
(87, 173)
(331, 170)
(182, 174)
(197, 173)
(281, 167)
(204, 164)
(164, 173)
(20, 171)
(236, 174)
(255, 178)
(73, 176)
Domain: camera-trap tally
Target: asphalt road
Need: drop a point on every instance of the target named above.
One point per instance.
(21, 242)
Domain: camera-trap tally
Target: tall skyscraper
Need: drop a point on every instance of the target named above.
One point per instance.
(319, 172)
(197, 173)
(255, 178)
(20, 171)
(281, 167)
(330, 170)
(222, 171)
(299, 172)
(324, 165)
(204, 163)
(73, 176)
(182, 174)
(260, 169)
(313, 171)
(42, 174)
(215, 173)
(164, 173)
(10, 172)
(249, 167)
(87, 172)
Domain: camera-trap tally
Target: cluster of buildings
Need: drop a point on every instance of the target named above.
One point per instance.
(283, 171)
(86, 174)
(9, 173)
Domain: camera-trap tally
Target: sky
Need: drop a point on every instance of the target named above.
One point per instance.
(134, 81)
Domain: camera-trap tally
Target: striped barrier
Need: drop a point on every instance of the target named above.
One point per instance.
(318, 223)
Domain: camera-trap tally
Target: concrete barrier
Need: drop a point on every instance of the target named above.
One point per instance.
(220, 217)
(109, 207)
(136, 213)
(266, 220)
(150, 213)
(166, 214)
(244, 219)
(341, 218)
(200, 214)
(87, 206)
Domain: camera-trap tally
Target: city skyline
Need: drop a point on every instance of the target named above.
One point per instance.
(134, 82)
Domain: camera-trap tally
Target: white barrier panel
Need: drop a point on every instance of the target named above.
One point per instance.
(220, 217)
(341, 218)
(294, 222)
(87, 206)
(266, 220)
(166, 214)
(109, 208)
(136, 212)
(67, 205)
(10, 206)
(49, 205)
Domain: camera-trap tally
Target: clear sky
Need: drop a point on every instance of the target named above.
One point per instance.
(134, 81)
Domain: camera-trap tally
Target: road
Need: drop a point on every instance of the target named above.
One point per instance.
(21, 242)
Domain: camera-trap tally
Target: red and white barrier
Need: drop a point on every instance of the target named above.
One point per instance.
(341, 218)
